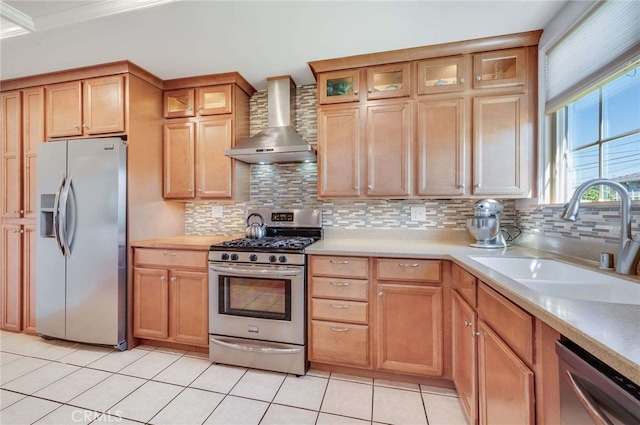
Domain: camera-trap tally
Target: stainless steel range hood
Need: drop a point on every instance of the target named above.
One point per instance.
(279, 143)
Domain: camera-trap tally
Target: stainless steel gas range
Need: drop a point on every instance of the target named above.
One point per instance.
(257, 293)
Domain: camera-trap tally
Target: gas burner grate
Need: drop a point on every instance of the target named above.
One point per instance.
(287, 242)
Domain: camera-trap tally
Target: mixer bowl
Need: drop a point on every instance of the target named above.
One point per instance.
(483, 228)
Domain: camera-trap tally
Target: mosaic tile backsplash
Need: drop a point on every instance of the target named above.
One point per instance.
(295, 186)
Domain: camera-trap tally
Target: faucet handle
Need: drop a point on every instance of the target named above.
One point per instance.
(606, 261)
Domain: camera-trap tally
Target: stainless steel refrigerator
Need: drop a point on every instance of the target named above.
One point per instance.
(81, 241)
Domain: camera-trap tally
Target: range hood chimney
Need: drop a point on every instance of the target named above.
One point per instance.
(279, 143)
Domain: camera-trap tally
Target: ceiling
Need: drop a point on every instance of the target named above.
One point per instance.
(259, 39)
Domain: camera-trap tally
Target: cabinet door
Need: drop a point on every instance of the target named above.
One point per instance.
(33, 133)
(505, 383)
(442, 75)
(500, 145)
(11, 278)
(179, 172)
(408, 332)
(339, 86)
(389, 81)
(501, 68)
(389, 138)
(465, 355)
(339, 152)
(442, 138)
(213, 168)
(179, 103)
(214, 100)
(189, 307)
(29, 278)
(150, 303)
(103, 100)
(64, 109)
(11, 144)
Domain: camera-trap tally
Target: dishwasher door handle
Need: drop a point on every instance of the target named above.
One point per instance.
(596, 414)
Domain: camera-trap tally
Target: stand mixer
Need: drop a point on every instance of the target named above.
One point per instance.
(485, 224)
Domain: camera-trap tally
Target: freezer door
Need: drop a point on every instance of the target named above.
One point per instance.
(50, 264)
(96, 237)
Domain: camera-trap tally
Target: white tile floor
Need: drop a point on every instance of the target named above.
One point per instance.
(57, 382)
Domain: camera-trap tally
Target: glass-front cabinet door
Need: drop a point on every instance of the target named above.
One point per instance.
(339, 86)
(214, 100)
(442, 75)
(501, 68)
(178, 103)
(388, 81)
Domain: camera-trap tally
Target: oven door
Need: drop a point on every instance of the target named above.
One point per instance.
(262, 302)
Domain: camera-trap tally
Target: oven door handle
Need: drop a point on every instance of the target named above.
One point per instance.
(253, 349)
(253, 272)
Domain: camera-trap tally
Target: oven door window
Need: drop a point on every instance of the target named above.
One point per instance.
(255, 297)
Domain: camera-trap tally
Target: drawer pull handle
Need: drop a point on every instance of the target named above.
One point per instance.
(335, 329)
(339, 283)
(338, 261)
(169, 254)
(341, 306)
(408, 265)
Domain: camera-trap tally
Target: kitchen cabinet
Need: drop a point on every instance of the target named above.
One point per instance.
(380, 314)
(212, 100)
(86, 108)
(170, 296)
(464, 108)
(371, 163)
(339, 311)
(17, 282)
(465, 354)
(217, 116)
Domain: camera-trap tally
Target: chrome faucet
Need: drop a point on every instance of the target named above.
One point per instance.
(629, 250)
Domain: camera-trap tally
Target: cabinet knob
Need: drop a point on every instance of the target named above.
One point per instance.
(200, 191)
(467, 324)
(188, 108)
(370, 90)
(463, 80)
(381, 294)
(355, 92)
(478, 77)
(356, 187)
(75, 126)
(370, 187)
(474, 333)
(85, 126)
(21, 211)
(163, 278)
(190, 190)
(173, 279)
(478, 186)
(460, 186)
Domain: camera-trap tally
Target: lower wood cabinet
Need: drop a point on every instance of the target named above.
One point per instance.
(17, 281)
(465, 354)
(170, 296)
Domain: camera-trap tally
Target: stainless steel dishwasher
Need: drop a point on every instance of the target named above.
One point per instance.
(593, 393)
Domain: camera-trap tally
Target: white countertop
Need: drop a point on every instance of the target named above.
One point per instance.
(610, 332)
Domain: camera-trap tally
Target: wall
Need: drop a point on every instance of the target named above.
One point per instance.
(295, 186)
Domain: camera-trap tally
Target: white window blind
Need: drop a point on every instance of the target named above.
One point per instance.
(605, 42)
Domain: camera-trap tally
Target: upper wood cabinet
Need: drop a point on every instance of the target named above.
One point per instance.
(464, 108)
(501, 68)
(212, 100)
(215, 117)
(86, 108)
(22, 130)
(442, 75)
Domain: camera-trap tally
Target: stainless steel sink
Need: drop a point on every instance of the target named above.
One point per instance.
(559, 279)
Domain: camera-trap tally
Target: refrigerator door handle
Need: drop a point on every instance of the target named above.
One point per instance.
(64, 201)
(56, 215)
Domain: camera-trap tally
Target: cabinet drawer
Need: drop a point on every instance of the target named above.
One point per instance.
(465, 283)
(345, 289)
(409, 270)
(339, 343)
(170, 258)
(340, 311)
(356, 267)
(513, 325)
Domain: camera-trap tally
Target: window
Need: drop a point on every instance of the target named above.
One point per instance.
(598, 136)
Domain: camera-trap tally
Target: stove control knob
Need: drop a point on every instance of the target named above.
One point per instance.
(234, 257)
(272, 258)
(253, 257)
(224, 256)
(282, 259)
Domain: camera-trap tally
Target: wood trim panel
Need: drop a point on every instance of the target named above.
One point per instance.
(425, 52)
(111, 68)
(210, 80)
